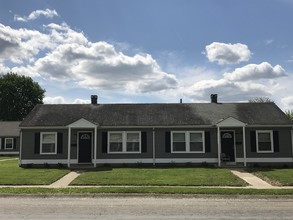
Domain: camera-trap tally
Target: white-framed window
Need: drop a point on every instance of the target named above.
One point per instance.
(48, 143)
(124, 142)
(264, 142)
(8, 143)
(187, 142)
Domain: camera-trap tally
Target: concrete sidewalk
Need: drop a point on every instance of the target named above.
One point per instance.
(254, 181)
(65, 180)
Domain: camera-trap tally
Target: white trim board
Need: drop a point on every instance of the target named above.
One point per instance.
(266, 160)
(157, 160)
(9, 153)
(48, 161)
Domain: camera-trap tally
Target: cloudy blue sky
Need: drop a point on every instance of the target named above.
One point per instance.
(129, 51)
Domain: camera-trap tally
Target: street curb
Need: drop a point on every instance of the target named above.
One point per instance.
(146, 195)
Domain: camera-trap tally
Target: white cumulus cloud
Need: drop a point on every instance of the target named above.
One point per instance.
(63, 54)
(54, 100)
(81, 101)
(48, 13)
(288, 102)
(227, 90)
(18, 45)
(227, 53)
(256, 71)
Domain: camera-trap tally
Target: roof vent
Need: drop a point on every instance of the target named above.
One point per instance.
(94, 99)
(214, 98)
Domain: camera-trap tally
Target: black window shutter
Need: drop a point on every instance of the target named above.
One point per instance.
(104, 142)
(168, 141)
(253, 141)
(276, 141)
(2, 143)
(59, 143)
(143, 142)
(14, 143)
(207, 137)
(37, 143)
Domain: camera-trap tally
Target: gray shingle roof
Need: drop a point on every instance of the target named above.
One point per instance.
(156, 114)
(9, 128)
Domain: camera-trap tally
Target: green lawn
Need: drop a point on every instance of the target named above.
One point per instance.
(12, 174)
(91, 191)
(159, 176)
(7, 157)
(283, 177)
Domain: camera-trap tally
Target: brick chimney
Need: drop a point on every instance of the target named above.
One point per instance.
(94, 99)
(214, 98)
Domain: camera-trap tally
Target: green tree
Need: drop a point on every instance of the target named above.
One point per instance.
(289, 114)
(260, 100)
(18, 96)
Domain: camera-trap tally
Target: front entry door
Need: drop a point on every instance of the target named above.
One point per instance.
(227, 144)
(85, 147)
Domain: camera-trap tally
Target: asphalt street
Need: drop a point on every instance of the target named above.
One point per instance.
(139, 207)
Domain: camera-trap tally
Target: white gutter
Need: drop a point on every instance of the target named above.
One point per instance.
(154, 148)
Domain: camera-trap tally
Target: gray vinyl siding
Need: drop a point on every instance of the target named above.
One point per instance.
(28, 145)
(285, 144)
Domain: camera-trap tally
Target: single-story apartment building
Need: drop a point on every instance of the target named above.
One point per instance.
(99, 134)
(9, 137)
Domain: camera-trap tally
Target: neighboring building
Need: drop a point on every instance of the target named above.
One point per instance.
(9, 137)
(101, 134)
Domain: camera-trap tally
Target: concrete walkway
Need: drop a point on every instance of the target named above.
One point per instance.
(254, 181)
(65, 180)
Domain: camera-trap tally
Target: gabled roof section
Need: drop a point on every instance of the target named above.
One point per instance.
(179, 114)
(9, 128)
(82, 123)
(230, 122)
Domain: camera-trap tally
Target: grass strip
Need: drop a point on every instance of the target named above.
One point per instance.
(142, 190)
(159, 177)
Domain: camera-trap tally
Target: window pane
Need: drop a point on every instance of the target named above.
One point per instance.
(48, 143)
(196, 146)
(116, 137)
(179, 137)
(132, 137)
(48, 148)
(8, 142)
(195, 137)
(132, 147)
(116, 147)
(48, 138)
(264, 137)
(132, 144)
(179, 146)
(264, 141)
(264, 146)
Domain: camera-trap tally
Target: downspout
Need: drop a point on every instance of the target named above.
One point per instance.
(69, 146)
(244, 145)
(95, 147)
(219, 146)
(154, 148)
(292, 142)
(20, 148)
